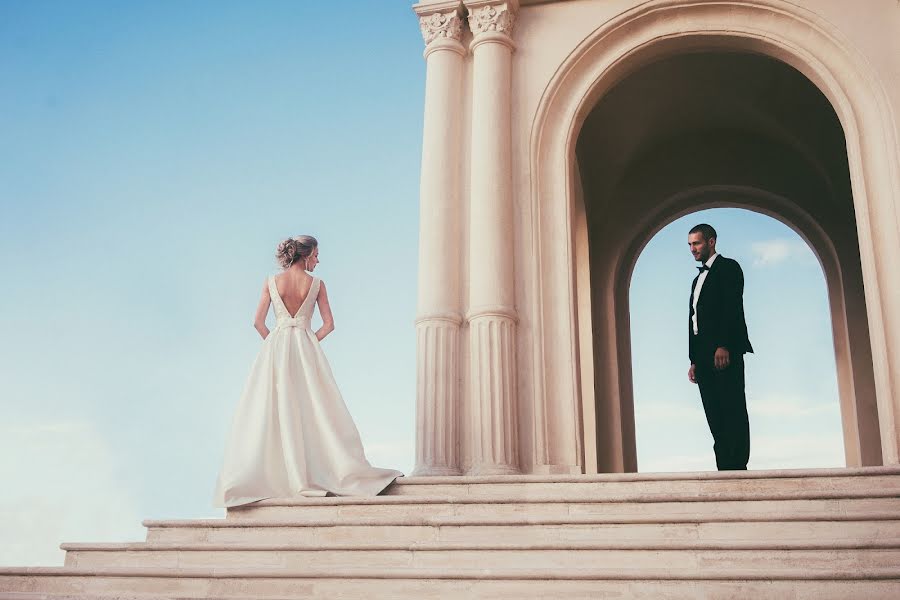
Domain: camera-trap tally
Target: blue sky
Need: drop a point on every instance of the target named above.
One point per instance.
(151, 157)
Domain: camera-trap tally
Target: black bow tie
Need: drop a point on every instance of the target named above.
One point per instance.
(703, 268)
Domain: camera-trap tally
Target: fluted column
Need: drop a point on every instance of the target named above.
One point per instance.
(438, 314)
(491, 315)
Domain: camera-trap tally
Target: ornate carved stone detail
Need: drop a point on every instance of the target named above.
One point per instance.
(441, 25)
(499, 18)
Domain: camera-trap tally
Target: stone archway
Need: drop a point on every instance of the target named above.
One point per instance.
(842, 277)
(714, 129)
(615, 51)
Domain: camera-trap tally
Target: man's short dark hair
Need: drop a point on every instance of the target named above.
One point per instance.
(706, 230)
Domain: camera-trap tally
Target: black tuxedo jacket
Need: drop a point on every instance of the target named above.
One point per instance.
(720, 313)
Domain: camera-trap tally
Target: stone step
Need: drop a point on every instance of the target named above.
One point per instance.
(589, 515)
(818, 534)
(559, 561)
(864, 482)
(848, 543)
(398, 507)
(56, 583)
(521, 531)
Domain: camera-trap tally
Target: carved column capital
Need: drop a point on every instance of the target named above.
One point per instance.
(491, 16)
(439, 25)
(440, 21)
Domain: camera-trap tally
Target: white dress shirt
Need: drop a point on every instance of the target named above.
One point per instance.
(699, 285)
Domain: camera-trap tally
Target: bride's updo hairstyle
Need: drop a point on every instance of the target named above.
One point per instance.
(295, 249)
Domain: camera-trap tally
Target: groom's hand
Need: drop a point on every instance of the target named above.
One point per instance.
(692, 375)
(723, 358)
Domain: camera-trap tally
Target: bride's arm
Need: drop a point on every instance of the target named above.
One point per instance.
(325, 311)
(259, 323)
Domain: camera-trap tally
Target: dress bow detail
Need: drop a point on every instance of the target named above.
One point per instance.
(294, 322)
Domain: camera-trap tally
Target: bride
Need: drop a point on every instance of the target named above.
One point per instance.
(292, 434)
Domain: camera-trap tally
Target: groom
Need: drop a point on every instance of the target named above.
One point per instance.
(717, 342)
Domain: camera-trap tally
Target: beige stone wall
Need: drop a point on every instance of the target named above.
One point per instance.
(849, 50)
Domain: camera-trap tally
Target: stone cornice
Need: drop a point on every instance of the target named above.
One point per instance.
(426, 7)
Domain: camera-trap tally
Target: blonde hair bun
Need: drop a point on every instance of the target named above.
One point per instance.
(295, 249)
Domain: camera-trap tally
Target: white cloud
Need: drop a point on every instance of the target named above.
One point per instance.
(59, 485)
(399, 454)
(773, 252)
(786, 406)
(796, 450)
(675, 463)
(667, 412)
(787, 431)
(793, 431)
(789, 451)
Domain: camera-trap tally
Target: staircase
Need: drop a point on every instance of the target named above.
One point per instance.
(822, 534)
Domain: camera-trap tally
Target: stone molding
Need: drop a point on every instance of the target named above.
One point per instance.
(507, 312)
(451, 318)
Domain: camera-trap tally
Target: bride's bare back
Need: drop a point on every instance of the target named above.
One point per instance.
(293, 288)
(293, 285)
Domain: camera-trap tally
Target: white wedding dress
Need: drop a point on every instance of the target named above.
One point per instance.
(292, 434)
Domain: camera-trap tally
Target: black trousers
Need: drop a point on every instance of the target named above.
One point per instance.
(725, 404)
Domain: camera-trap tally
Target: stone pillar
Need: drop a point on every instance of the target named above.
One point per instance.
(438, 316)
(885, 240)
(492, 316)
